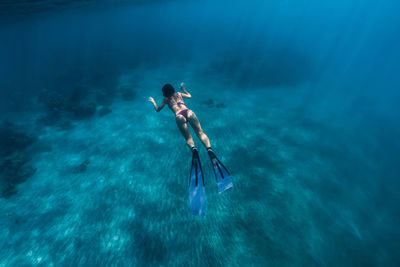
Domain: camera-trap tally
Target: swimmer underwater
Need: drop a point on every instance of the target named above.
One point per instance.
(183, 116)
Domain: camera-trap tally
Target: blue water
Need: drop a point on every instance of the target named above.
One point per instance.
(300, 100)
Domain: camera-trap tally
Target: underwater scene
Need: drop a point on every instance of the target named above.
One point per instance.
(282, 147)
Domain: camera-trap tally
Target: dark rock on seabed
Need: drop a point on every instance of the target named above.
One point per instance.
(14, 158)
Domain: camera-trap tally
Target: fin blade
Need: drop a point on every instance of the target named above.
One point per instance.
(224, 180)
(197, 199)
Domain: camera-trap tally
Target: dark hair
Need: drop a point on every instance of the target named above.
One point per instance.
(168, 90)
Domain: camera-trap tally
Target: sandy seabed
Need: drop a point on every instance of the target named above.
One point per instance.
(112, 190)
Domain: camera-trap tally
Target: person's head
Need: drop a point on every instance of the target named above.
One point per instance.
(168, 90)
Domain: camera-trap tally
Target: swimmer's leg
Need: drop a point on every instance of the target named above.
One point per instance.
(195, 123)
(182, 125)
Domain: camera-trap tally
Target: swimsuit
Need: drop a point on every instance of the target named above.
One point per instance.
(179, 102)
(183, 112)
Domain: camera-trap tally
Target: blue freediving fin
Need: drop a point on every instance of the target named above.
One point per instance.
(197, 197)
(224, 180)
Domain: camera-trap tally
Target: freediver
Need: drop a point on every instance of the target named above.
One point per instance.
(183, 115)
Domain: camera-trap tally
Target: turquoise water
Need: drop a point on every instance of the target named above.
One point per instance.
(299, 99)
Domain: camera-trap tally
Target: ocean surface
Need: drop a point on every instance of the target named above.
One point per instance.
(300, 99)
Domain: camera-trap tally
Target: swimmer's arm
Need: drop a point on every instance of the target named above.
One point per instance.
(160, 107)
(186, 94)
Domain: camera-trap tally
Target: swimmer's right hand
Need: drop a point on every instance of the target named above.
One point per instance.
(151, 99)
(182, 85)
